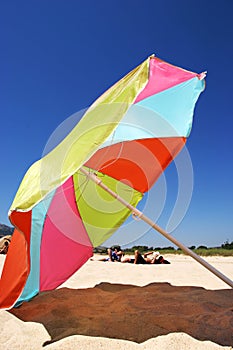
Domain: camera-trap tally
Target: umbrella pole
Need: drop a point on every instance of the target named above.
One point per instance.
(140, 215)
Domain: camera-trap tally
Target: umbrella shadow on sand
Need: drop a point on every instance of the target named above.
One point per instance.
(133, 313)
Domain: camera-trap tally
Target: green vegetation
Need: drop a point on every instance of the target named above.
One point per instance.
(214, 251)
(202, 251)
(227, 245)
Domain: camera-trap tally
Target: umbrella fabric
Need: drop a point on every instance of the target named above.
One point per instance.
(127, 138)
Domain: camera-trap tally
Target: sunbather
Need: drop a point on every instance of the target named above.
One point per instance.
(5, 247)
(113, 255)
(155, 258)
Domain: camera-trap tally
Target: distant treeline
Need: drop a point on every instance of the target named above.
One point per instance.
(227, 245)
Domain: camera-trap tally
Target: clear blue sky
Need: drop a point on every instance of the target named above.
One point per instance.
(58, 56)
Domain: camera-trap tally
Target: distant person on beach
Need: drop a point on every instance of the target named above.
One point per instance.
(5, 247)
(4, 244)
(114, 254)
(155, 258)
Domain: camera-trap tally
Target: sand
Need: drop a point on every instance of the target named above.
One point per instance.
(108, 305)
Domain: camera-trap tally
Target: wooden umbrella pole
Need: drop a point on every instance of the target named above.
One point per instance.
(140, 215)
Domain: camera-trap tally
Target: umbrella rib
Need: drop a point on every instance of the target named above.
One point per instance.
(138, 213)
(82, 187)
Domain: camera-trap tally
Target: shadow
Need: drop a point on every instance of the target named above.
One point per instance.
(133, 313)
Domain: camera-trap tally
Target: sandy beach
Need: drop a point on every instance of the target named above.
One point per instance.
(108, 305)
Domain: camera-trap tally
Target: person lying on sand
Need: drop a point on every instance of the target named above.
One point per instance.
(155, 258)
(5, 247)
(4, 244)
(115, 254)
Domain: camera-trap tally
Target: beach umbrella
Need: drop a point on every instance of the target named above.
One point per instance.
(76, 196)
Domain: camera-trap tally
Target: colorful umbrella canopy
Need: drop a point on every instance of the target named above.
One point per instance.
(126, 138)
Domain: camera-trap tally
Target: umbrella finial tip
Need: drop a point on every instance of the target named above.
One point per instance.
(202, 75)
